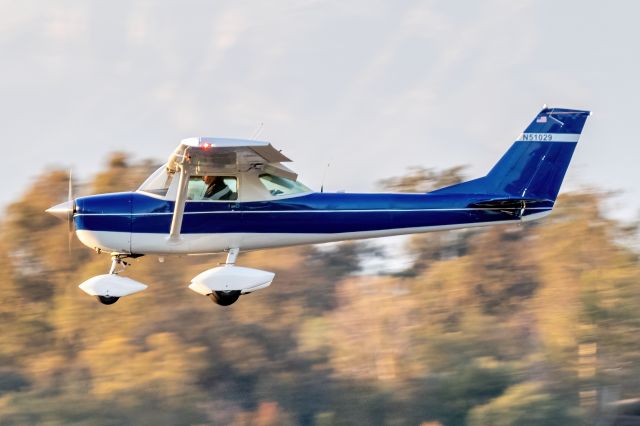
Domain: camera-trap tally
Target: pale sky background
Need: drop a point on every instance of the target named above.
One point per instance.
(372, 86)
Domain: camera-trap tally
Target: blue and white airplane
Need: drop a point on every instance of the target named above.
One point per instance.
(216, 195)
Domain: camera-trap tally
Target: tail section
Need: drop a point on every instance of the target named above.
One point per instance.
(535, 165)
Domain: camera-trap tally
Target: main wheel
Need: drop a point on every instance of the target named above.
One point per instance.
(108, 300)
(225, 298)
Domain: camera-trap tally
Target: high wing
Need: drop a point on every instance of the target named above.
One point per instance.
(203, 155)
(206, 153)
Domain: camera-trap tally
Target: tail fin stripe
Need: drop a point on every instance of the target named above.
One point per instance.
(549, 137)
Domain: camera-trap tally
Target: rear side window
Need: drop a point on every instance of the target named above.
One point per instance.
(278, 185)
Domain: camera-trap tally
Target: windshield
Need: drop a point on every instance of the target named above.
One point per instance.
(278, 185)
(158, 183)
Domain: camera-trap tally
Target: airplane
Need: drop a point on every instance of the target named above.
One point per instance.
(217, 195)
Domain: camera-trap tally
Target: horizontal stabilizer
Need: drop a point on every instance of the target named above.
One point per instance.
(511, 203)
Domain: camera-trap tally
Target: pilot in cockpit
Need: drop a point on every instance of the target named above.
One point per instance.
(217, 189)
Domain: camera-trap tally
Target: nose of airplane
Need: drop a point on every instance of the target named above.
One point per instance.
(62, 210)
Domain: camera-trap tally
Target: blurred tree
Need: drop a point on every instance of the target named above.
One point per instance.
(431, 247)
(524, 404)
(524, 324)
(421, 179)
(121, 175)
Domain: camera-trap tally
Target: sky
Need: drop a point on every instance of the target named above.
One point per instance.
(371, 87)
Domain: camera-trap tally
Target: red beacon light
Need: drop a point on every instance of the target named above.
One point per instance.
(206, 145)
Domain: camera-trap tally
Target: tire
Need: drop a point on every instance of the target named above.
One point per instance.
(107, 300)
(225, 298)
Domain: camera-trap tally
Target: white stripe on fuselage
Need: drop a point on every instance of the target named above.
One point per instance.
(142, 243)
(309, 211)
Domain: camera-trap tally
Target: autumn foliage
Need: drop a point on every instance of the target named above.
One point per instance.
(514, 325)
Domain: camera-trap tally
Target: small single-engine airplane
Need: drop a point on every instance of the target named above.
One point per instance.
(215, 195)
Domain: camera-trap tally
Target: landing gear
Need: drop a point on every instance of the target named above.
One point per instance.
(225, 298)
(110, 287)
(107, 300)
(117, 265)
(225, 283)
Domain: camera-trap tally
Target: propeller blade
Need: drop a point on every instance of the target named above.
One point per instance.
(70, 213)
(70, 196)
(65, 211)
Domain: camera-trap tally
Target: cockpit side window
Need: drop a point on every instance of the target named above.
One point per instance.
(278, 185)
(158, 183)
(212, 188)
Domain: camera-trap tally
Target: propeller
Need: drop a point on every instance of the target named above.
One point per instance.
(65, 211)
(70, 224)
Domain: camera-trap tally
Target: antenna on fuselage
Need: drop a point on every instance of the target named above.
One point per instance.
(324, 175)
(258, 131)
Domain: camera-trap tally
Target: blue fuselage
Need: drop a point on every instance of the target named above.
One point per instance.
(333, 215)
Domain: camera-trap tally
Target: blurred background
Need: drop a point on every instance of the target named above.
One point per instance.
(517, 325)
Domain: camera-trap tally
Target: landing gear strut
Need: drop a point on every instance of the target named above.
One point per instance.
(117, 263)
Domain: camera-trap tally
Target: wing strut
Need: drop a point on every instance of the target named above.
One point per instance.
(178, 209)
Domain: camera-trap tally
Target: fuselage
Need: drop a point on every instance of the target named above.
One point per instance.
(139, 223)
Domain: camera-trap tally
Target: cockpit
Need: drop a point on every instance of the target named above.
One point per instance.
(251, 185)
(217, 170)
